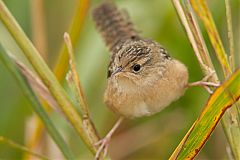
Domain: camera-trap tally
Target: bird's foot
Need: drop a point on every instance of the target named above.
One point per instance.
(103, 146)
(104, 143)
(204, 83)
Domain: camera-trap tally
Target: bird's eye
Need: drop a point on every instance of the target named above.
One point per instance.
(136, 67)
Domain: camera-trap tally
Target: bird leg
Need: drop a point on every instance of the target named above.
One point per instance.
(104, 143)
(204, 83)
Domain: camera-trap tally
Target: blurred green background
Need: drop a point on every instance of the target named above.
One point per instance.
(152, 137)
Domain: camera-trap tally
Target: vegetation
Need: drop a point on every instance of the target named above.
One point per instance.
(71, 110)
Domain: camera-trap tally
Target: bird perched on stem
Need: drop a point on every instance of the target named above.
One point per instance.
(142, 77)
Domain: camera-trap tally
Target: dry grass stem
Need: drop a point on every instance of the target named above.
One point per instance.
(46, 75)
(35, 104)
(39, 35)
(230, 34)
(38, 27)
(201, 8)
(73, 76)
(74, 82)
(196, 39)
(37, 85)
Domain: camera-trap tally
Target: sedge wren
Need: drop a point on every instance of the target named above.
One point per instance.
(142, 77)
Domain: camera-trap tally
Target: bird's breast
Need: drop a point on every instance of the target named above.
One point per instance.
(148, 97)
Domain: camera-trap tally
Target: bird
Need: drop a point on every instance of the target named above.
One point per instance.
(142, 77)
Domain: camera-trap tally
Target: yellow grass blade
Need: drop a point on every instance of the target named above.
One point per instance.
(204, 14)
(222, 99)
(61, 65)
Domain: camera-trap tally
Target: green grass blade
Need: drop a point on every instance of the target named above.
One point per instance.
(37, 107)
(232, 130)
(61, 64)
(21, 148)
(222, 99)
(60, 95)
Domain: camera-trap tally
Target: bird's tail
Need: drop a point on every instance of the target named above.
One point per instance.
(113, 24)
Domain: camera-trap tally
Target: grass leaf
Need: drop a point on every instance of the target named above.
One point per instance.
(203, 12)
(75, 28)
(35, 82)
(230, 34)
(222, 99)
(61, 64)
(37, 107)
(20, 147)
(48, 78)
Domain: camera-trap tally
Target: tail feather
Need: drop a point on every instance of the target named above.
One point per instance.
(113, 24)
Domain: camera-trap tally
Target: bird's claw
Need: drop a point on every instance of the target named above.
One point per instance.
(104, 143)
(103, 146)
(204, 83)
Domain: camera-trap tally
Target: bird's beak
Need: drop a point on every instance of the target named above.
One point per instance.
(119, 69)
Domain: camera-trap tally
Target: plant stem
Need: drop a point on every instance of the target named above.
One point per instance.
(22, 148)
(60, 67)
(230, 34)
(37, 107)
(40, 41)
(74, 76)
(47, 77)
(231, 118)
(38, 27)
(194, 34)
(201, 8)
(77, 88)
(74, 30)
